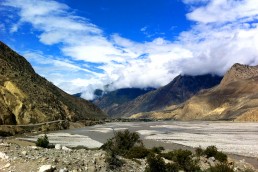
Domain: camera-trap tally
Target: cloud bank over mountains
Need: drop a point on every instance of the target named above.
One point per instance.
(223, 32)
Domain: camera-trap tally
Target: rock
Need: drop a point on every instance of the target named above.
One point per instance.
(7, 165)
(3, 156)
(212, 159)
(66, 148)
(24, 153)
(34, 147)
(58, 146)
(63, 170)
(4, 144)
(47, 168)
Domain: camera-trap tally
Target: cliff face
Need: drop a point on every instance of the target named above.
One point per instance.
(236, 98)
(26, 97)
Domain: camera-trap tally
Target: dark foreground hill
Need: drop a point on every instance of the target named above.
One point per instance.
(26, 97)
(176, 92)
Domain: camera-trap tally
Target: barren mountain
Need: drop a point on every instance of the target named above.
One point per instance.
(236, 98)
(26, 97)
(113, 99)
(176, 92)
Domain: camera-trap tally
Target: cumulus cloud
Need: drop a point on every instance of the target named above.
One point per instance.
(224, 32)
(220, 11)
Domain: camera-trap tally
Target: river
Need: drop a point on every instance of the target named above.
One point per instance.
(230, 137)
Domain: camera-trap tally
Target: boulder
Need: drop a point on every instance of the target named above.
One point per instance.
(58, 146)
(63, 170)
(66, 148)
(47, 168)
(3, 156)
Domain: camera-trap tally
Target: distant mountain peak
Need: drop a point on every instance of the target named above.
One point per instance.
(239, 72)
(177, 91)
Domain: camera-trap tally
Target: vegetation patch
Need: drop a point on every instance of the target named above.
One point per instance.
(43, 141)
(128, 144)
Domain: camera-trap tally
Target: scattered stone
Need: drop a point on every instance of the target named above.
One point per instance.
(66, 148)
(7, 165)
(4, 144)
(63, 170)
(3, 156)
(58, 147)
(24, 153)
(212, 159)
(47, 168)
(34, 147)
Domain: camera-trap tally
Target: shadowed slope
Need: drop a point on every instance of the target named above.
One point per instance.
(176, 92)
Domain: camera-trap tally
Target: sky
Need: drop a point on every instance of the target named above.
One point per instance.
(85, 45)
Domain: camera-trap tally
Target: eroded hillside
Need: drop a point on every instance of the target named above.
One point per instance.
(26, 97)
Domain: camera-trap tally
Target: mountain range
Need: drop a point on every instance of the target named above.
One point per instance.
(26, 97)
(177, 91)
(235, 98)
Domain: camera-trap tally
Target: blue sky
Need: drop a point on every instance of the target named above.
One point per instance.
(83, 45)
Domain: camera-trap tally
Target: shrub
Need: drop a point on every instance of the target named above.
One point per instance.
(220, 168)
(168, 155)
(199, 151)
(182, 156)
(184, 160)
(220, 156)
(157, 150)
(137, 152)
(172, 167)
(122, 142)
(211, 151)
(155, 163)
(113, 161)
(43, 141)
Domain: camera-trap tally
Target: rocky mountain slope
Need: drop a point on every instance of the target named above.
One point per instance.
(26, 97)
(176, 92)
(112, 99)
(236, 98)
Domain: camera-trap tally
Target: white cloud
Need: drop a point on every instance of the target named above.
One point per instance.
(225, 32)
(218, 11)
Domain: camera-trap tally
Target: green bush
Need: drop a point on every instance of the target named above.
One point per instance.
(155, 163)
(137, 152)
(157, 150)
(223, 167)
(43, 141)
(184, 160)
(169, 155)
(199, 151)
(220, 156)
(172, 167)
(211, 151)
(122, 142)
(113, 161)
